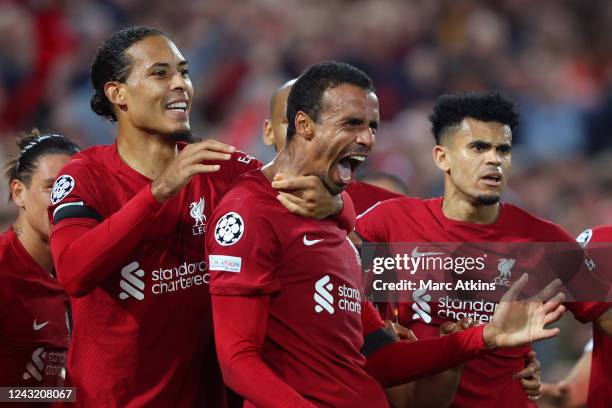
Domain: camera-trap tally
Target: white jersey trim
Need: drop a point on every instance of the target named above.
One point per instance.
(368, 210)
(67, 205)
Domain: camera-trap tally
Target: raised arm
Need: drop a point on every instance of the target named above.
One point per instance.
(86, 248)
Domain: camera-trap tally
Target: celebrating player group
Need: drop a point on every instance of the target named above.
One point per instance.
(161, 271)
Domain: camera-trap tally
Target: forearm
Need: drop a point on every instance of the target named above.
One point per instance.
(404, 361)
(401, 396)
(86, 253)
(239, 343)
(248, 375)
(576, 383)
(438, 390)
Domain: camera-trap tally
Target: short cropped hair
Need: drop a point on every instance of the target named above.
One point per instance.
(450, 110)
(307, 93)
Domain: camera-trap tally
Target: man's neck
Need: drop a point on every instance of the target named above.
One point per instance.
(34, 245)
(148, 154)
(287, 162)
(456, 206)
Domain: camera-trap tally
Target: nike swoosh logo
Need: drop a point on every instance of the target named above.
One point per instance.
(417, 254)
(309, 242)
(37, 327)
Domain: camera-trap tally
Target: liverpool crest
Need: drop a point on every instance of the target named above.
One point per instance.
(196, 210)
(504, 267)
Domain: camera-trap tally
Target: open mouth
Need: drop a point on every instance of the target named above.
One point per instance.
(492, 179)
(348, 165)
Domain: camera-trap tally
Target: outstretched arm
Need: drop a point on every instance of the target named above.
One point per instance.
(514, 323)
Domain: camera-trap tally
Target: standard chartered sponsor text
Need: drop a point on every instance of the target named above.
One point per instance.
(456, 309)
(55, 363)
(184, 276)
(349, 299)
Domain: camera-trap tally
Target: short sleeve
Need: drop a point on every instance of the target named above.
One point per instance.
(242, 250)
(370, 224)
(74, 194)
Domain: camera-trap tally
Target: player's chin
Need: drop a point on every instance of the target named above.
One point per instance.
(335, 185)
(488, 198)
(179, 125)
(179, 132)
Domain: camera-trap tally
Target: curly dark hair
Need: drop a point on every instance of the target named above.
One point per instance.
(113, 64)
(451, 109)
(307, 93)
(32, 147)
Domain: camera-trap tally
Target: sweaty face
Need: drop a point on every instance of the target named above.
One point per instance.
(478, 156)
(158, 91)
(344, 134)
(37, 196)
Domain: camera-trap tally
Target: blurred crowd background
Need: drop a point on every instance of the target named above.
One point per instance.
(553, 58)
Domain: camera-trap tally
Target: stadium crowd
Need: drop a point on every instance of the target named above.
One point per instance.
(552, 58)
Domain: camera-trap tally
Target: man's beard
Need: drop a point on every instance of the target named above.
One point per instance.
(183, 136)
(484, 199)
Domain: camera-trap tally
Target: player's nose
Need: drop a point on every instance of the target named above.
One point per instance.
(366, 138)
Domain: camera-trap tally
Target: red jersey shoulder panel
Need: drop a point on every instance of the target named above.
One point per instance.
(238, 228)
(365, 195)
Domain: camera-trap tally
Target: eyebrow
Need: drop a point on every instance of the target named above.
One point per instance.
(488, 144)
(352, 120)
(166, 65)
(356, 120)
(480, 142)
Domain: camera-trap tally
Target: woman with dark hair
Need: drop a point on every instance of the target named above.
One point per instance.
(33, 315)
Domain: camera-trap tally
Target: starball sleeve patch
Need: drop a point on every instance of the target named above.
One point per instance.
(229, 229)
(62, 187)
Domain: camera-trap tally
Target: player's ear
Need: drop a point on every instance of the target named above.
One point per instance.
(268, 133)
(115, 92)
(18, 191)
(304, 125)
(441, 158)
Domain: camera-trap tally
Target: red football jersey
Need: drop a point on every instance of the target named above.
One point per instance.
(365, 195)
(486, 381)
(33, 320)
(310, 269)
(600, 383)
(143, 337)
